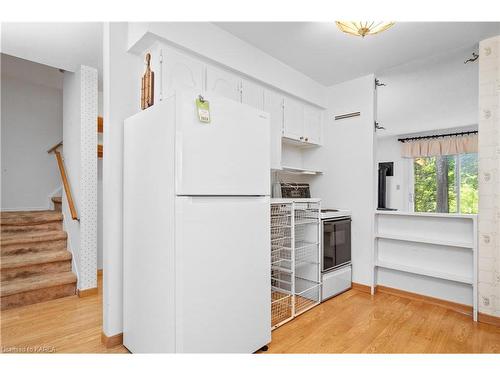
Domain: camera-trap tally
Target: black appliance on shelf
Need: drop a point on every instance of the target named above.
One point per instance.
(385, 170)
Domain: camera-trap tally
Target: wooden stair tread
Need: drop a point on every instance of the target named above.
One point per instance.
(36, 282)
(57, 199)
(35, 265)
(21, 218)
(17, 238)
(28, 259)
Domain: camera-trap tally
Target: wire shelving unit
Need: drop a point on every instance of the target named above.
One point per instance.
(295, 259)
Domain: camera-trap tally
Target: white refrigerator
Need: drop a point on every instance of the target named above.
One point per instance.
(196, 228)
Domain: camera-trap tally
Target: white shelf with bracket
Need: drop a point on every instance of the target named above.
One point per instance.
(300, 170)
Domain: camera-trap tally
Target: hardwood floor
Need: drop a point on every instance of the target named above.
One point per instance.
(65, 325)
(356, 322)
(353, 322)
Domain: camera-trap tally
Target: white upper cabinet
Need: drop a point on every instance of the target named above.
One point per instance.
(273, 104)
(293, 116)
(252, 94)
(302, 122)
(312, 125)
(181, 72)
(223, 83)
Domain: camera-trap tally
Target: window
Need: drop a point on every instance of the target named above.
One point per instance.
(446, 184)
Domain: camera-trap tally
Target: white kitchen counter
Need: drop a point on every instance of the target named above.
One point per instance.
(298, 200)
(429, 214)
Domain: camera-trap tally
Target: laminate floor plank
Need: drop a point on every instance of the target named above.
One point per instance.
(353, 322)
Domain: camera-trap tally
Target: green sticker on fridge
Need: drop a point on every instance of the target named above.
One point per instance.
(203, 109)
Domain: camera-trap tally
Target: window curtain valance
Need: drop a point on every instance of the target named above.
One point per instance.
(461, 144)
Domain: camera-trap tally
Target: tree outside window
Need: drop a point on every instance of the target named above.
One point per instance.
(446, 184)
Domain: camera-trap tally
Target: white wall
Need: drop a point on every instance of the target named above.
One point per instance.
(122, 76)
(348, 161)
(99, 192)
(80, 159)
(100, 249)
(31, 124)
(71, 154)
(72, 130)
(217, 45)
(429, 96)
(434, 93)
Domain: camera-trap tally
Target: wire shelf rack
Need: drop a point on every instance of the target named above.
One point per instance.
(280, 208)
(282, 253)
(281, 280)
(295, 259)
(306, 252)
(306, 213)
(281, 308)
(307, 294)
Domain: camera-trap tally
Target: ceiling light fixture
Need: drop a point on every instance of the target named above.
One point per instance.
(363, 28)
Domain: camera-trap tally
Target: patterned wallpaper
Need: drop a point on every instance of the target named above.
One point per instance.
(88, 179)
(489, 176)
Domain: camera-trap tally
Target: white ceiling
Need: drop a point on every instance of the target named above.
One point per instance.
(29, 71)
(56, 44)
(322, 52)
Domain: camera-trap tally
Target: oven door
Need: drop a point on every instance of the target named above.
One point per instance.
(336, 240)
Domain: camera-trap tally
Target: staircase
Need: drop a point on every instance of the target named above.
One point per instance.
(35, 264)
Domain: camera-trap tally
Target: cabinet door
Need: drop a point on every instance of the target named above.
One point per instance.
(312, 125)
(223, 83)
(252, 94)
(182, 72)
(273, 104)
(293, 119)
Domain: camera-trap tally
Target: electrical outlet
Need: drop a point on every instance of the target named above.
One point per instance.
(486, 301)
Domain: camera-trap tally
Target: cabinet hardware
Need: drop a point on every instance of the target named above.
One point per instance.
(301, 138)
(306, 139)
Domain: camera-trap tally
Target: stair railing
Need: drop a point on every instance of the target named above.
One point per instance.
(64, 178)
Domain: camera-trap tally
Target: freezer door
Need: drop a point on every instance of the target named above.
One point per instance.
(223, 296)
(228, 156)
